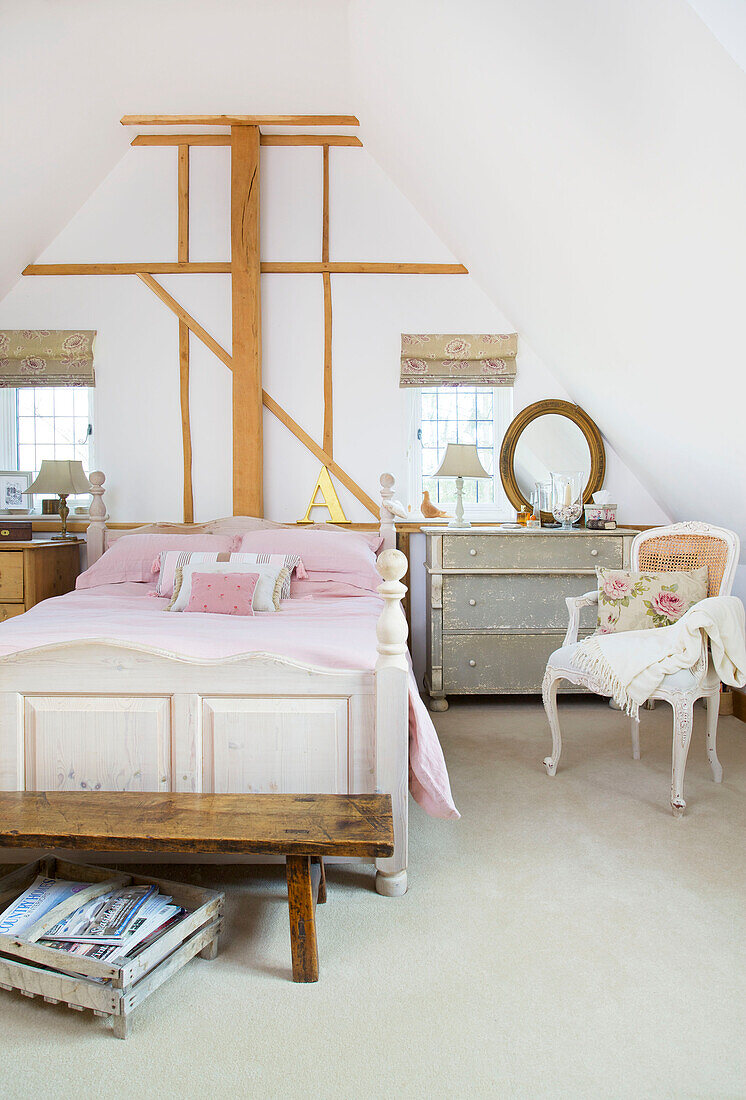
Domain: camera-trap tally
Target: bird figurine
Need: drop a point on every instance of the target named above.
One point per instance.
(429, 510)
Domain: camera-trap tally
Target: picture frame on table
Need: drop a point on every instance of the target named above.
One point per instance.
(13, 486)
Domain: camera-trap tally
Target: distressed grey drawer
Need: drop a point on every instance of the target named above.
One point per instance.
(513, 601)
(530, 551)
(486, 664)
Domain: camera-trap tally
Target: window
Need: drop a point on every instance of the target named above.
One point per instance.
(460, 414)
(38, 422)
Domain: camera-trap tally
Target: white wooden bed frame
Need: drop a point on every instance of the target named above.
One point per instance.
(105, 716)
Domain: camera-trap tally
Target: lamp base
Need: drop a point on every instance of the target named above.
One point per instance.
(63, 538)
(461, 523)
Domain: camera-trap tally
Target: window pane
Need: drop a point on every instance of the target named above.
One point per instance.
(64, 429)
(466, 405)
(486, 458)
(429, 433)
(447, 405)
(484, 405)
(485, 433)
(25, 398)
(44, 401)
(470, 490)
(45, 429)
(467, 431)
(64, 402)
(25, 429)
(27, 458)
(430, 460)
(81, 400)
(429, 406)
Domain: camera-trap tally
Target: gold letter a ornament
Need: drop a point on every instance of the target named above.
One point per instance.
(329, 499)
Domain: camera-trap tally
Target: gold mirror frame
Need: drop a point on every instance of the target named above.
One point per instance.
(527, 416)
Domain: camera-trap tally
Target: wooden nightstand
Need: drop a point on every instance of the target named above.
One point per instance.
(34, 571)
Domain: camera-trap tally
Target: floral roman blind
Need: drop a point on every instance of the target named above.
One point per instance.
(46, 357)
(486, 360)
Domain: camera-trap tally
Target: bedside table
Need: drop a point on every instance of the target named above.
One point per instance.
(33, 571)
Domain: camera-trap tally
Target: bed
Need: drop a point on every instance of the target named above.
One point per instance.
(99, 689)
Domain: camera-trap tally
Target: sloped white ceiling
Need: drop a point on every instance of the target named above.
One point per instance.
(71, 69)
(727, 21)
(587, 162)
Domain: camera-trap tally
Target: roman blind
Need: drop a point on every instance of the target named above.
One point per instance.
(46, 357)
(484, 360)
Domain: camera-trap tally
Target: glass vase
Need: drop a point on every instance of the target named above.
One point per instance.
(567, 497)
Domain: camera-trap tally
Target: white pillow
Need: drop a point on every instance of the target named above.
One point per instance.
(268, 589)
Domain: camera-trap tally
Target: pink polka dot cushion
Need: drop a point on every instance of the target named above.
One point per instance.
(223, 593)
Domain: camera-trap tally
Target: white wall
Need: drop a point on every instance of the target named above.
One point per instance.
(137, 420)
(588, 160)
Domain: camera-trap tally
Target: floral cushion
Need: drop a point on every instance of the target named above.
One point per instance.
(638, 601)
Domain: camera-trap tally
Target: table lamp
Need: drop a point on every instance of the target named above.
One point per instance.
(461, 460)
(61, 476)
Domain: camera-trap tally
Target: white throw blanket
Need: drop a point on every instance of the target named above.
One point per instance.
(632, 664)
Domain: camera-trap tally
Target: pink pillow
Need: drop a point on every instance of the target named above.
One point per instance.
(223, 593)
(347, 556)
(130, 558)
(300, 590)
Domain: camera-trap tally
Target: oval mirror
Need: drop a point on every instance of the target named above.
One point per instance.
(547, 436)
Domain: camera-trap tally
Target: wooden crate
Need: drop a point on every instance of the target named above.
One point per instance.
(110, 991)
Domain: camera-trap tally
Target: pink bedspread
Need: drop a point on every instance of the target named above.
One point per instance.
(333, 633)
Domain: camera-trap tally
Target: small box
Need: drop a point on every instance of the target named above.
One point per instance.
(600, 517)
(15, 530)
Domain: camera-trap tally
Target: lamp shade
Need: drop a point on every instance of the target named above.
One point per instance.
(61, 476)
(461, 460)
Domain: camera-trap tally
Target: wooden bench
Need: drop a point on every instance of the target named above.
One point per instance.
(302, 827)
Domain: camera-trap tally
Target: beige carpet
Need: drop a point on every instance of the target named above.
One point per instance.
(566, 938)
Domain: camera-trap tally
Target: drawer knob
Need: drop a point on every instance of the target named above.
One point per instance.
(472, 663)
(473, 552)
(472, 603)
(594, 553)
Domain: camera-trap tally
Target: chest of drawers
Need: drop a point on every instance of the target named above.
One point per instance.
(34, 571)
(496, 603)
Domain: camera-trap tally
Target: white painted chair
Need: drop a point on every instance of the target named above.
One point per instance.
(683, 546)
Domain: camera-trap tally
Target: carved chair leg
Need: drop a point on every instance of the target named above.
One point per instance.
(634, 725)
(549, 688)
(713, 711)
(683, 716)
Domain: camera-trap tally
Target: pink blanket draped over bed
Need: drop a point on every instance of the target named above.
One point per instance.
(332, 633)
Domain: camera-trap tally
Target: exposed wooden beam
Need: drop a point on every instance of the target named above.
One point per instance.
(264, 139)
(183, 255)
(183, 205)
(239, 120)
(186, 426)
(311, 139)
(344, 268)
(248, 494)
(222, 268)
(328, 436)
(269, 402)
(270, 268)
(325, 206)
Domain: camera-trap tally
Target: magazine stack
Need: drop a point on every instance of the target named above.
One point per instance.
(95, 938)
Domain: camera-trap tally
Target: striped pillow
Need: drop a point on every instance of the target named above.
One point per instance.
(291, 562)
(170, 560)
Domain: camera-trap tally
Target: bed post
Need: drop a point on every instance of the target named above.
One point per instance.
(388, 523)
(95, 535)
(392, 718)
